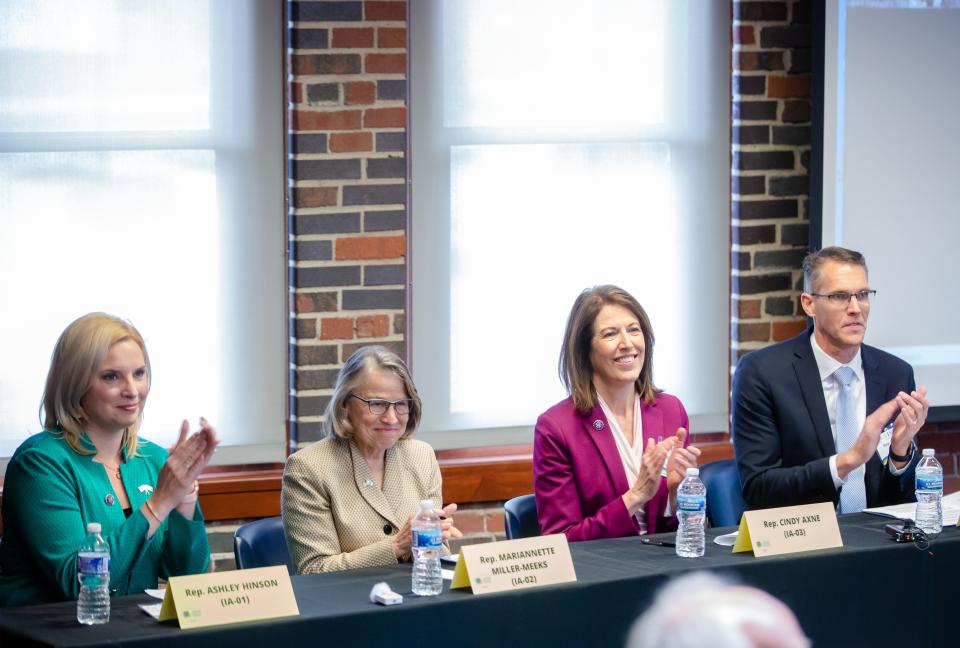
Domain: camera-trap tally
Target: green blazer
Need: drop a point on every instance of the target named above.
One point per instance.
(51, 492)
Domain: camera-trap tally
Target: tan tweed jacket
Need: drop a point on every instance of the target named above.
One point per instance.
(336, 518)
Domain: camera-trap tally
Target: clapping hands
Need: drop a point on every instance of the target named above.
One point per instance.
(177, 481)
(681, 459)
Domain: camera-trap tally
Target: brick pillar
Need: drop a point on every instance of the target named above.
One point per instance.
(770, 181)
(945, 439)
(347, 66)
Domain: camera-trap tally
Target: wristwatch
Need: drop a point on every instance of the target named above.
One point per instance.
(893, 455)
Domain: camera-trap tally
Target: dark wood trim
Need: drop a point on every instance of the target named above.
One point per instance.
(486, 474)
(241, 494)
(470, 475)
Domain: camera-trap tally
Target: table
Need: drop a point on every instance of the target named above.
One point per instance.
(617, 579)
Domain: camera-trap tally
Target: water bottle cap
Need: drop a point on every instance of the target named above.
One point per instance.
(93, 527)
(928, 452)
(426, 505)
(693, 472)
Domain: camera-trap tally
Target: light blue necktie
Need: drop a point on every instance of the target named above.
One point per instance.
(853, 495)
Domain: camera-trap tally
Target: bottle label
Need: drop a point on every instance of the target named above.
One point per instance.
(427, 538)
(691, 503)
(929, 482)
(93, 564)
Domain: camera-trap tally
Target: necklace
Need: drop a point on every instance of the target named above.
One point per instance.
(114, 469)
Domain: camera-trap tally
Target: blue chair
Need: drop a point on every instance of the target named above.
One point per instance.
(262, 544)
(724, 495)
(520, 517)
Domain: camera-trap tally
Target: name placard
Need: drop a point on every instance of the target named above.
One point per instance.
(514, 564)
(206, 600)
(789, 529)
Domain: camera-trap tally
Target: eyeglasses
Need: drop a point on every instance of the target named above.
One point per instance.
(379, 407)
(843, 298)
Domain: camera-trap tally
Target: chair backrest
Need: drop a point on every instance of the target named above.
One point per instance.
(724, 495)
(262, 544)
(520, 517)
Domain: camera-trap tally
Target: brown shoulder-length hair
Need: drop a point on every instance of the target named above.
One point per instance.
(575, 368)
(76, 358)
(353, 374)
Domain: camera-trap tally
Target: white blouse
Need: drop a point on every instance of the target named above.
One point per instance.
(630, 454)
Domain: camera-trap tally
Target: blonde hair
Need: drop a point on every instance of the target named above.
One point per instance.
(76, 358)
(352, 375)
(575, 368)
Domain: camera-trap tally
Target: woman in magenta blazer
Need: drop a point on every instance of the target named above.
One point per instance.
(598, 456)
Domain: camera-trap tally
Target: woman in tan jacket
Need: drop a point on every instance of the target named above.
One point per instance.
(348, 500)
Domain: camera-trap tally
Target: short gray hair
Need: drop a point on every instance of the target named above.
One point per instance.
(700, 609)
(352, 375)
(813, 263)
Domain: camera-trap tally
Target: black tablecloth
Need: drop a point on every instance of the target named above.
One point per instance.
(871, 592)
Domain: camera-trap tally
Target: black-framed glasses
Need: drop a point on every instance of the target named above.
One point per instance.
(379, 407)
(843, 298)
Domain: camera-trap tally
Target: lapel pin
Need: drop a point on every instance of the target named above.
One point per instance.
(598, 425)
(368, 483)
(108, 499)
(145, 488)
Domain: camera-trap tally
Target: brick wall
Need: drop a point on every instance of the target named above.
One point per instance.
(770, 182)
(479, 523)
(945, 439)
(347, 192)
(348, 168)
(220, 537)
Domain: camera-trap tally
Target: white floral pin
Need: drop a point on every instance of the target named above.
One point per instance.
(145, 488)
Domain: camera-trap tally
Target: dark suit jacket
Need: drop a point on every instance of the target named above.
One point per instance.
(781, 429)
(578, 476)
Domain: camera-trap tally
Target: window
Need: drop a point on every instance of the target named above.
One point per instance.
(141, 174)
(557, 146)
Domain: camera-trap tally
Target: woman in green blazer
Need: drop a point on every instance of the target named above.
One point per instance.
(88, 465)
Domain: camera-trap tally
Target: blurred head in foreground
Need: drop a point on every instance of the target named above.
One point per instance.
(700, 609)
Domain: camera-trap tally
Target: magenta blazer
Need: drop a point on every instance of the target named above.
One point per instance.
(578, 476)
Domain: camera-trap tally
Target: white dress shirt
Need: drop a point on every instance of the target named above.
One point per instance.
(827, 365)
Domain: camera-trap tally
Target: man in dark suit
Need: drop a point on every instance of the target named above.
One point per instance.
(815, 418)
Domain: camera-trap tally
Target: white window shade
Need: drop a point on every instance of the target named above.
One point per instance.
(536, 63)
(557, 147)
(141, 174)
(104, 66)
(891, 151)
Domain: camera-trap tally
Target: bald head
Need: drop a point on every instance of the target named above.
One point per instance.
(700, 609)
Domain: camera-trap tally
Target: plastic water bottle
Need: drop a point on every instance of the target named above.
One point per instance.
(426, 541)
(929, 493)
(93, 570)
(692, 512)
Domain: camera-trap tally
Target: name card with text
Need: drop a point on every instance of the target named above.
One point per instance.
(789, 529)
(514, 564)
(206, 600)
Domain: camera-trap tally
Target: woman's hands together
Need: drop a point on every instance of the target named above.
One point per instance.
(403, 538)
(401, 542)
(648, 479)
(655, 455)
(681, 459)
(449, 531)
(177, 482)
